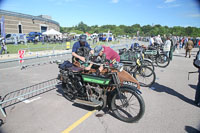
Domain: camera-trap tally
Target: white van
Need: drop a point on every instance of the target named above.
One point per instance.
(15, 37)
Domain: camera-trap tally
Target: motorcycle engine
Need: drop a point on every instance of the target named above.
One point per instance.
(94, 92)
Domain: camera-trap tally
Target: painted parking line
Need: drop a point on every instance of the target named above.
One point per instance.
(75, 124)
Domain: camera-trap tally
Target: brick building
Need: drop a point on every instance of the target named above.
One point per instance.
(23, 23)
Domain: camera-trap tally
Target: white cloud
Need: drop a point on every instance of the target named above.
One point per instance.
(160, 6)
(115, 1)
(169, 1)
(194, 15)
(168, 6)
(175, 5)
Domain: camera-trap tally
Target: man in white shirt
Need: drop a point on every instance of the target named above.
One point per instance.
(158, 40)
(151, 41)
(167, 46)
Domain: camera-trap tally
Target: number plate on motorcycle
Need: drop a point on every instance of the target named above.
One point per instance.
(150, 52)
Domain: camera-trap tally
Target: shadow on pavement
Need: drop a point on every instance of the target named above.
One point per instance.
(162, 88)
(193, 86)
(59, 90)
(1, 130)
(26, 93)
(190, 129)
(106, 110)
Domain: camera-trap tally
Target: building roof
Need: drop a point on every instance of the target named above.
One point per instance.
(21, 15)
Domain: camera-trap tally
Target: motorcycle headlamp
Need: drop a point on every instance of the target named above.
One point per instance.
(118, 66)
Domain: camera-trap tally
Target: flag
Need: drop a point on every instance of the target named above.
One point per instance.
(3, 34)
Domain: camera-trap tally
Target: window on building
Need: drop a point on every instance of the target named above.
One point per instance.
(43, 29)
(20, 28)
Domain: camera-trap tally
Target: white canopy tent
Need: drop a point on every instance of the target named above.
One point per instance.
(51, 32)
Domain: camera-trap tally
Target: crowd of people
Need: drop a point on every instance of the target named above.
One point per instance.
(172, 43)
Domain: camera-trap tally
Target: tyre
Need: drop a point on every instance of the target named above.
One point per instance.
(1, 122)
(149, 64)
(130, 107)
(162, 60)
(145, 76)
(66, 92)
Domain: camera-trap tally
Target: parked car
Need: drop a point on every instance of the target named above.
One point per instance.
(105, 37)
(15, 38)
(31, 36)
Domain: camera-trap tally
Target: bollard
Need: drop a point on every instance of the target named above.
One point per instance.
(67, 45)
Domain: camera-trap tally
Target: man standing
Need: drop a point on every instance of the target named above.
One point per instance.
(167, 46)
(188, 47)
(173, 44)
(151, 41)
(197, 94)
(3, 46)
(81, 43)
(158, 40)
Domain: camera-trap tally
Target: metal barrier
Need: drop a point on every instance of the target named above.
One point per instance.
(29, 58)
(31, 90)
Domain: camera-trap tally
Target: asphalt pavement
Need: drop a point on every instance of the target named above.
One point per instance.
(169, 104)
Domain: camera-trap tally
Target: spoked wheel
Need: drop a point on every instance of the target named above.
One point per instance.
(162, 60)
(128, 105)
(149, 64)
(66, 93)
(145, 76)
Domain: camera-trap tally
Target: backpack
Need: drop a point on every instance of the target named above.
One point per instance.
(196, 61)
(65, 65)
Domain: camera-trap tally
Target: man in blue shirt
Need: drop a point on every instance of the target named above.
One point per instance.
(81, 43)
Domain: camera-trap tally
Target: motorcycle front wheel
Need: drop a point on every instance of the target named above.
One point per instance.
(162, 60)
(149, 64)
(128, 105)
(145, 76)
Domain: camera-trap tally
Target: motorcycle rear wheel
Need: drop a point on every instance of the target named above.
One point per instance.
(131, 101)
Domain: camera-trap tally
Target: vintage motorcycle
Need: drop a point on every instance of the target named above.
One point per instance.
(113, 87)
(139, 68)
(157, 55)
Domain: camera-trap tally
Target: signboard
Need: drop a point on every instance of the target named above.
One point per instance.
(21, 55)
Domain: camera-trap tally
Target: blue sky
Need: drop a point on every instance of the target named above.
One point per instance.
(101, 12)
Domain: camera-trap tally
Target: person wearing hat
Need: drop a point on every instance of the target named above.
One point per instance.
(109, 54)
(188, 47)
(81, 43)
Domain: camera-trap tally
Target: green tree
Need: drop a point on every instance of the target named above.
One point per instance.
(145, 30)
